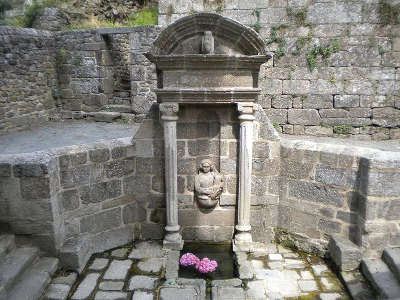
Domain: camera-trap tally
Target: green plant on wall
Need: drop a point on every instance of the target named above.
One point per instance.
(323, 51)
(389, 14)
(299, 15)
(342, 129)
(257, 25)
(279, 40)
(145, 16)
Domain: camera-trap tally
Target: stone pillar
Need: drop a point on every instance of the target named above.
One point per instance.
(169, 116)
(246, 117)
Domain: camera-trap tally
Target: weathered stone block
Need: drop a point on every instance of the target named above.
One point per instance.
(339, 177)
(386, 117)
(277, 115)
(221, 217)
(35, 188)
(381, 184)
(133, 213)
(318, 131)
(318, 101)
(345, 254)
(325, 13)
(296, 170)
(187, 166)
(296, 87)
(70, 199)
(347, 100)
(30, 170)
(99, 155)
(101, 191)
(5, 170)
(137, 185)
(316, 193)
(119, 168)
(304, 117)
(75, 177)
(152, 231)
(329, 227)
(101, 221)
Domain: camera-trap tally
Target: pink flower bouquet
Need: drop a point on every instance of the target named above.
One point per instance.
(203, 266)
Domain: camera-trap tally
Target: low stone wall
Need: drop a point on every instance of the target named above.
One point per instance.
(28, 78)
(347, 191)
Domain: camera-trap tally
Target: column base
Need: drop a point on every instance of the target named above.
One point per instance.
(173, 241)
(243, 237)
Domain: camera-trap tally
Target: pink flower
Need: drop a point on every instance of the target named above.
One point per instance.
(189, 259)
(206, 265)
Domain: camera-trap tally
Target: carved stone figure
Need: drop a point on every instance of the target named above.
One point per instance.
(208, 184)
(207, 43)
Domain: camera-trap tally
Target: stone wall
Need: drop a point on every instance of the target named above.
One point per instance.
(28, 78)
(346, 191)
(353, 87)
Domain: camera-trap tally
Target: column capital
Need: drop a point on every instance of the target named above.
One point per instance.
(169, 111)
(246, 110)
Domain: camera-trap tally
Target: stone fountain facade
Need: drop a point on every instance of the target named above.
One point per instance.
(207, 60)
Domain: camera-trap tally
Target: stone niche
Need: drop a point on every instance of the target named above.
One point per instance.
(207, 87)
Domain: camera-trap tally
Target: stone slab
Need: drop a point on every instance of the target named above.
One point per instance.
(151, 265)
(86, 287)
(99, 264)
(118, 270)
(142, 295)
(146, 250)
(111, 296)
(142, 282)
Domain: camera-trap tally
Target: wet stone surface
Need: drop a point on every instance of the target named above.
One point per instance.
(145, 271)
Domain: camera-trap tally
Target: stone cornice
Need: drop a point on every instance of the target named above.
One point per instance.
(207, 96)
(209, 62)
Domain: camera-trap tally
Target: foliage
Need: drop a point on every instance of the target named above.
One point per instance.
(9, 4)
(323, 51)
(342, 129)
(61, 58)
(145, 16)
(389, 14)
(257, 25)
(275, 124)
(299, 15)
(278, 40)
(301, 42)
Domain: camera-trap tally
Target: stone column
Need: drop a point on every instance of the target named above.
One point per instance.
(246, 117)
(169, 116)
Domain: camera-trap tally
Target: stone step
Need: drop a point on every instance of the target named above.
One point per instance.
(381, 278)
(34, 281)
(391, 257)
(119, 108)
(106, 116)
(7, 244)
(14, 264)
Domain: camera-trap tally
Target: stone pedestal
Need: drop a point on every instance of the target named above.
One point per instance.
(173, 238)
(246, 117)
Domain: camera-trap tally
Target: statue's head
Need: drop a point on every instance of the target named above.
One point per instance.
(206, 166)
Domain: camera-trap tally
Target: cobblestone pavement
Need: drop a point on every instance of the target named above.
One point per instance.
(146, 271)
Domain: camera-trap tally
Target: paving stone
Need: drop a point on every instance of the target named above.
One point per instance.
(120, 253)
(256, 289)
(186, 293)
(57, 292)
(294, 264)
(227, 293)
(68, 280)
(308, 285)
(306, 275)
(146, 249)
(227, 282)
(142, 282)
(142, 295)
(330, 296)
(277, 282)
(275, 265)
(275, 257)
(111, 296)
(319, 269)
(290, 255)
(118, 269)
(152, 265)
(111, 285)
(329, 284)
(86, 287)
(284, 250)
(99, 264)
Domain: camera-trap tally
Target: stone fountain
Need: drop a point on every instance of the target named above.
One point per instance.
(207, 60)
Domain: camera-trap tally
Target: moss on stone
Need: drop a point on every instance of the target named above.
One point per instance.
(389, 14)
